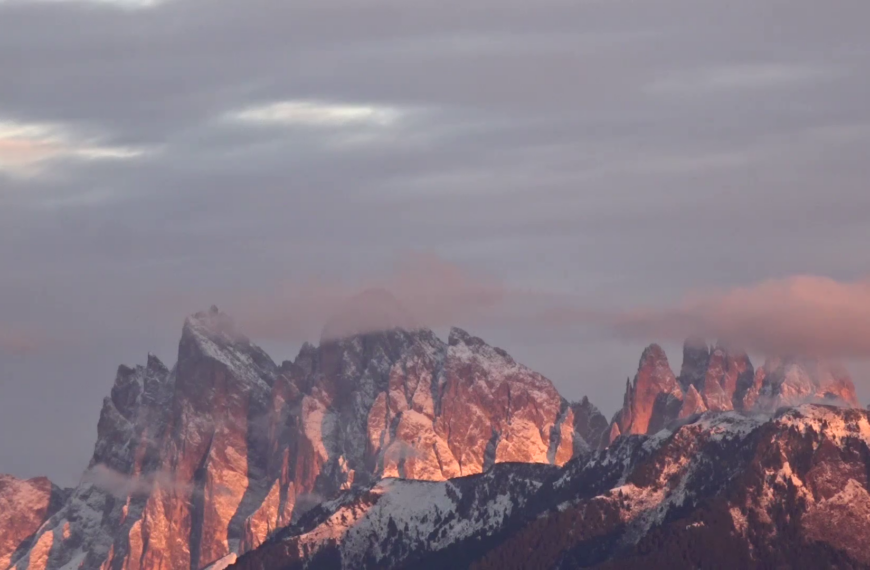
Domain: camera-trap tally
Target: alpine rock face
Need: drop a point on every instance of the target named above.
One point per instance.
(720, 378)
(199, 463)
(398, 449)
(24, 507)
(725, 489)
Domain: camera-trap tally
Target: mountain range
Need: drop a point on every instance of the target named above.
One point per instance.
(392, 448)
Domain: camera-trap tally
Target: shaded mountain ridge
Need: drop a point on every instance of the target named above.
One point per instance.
(723, 489)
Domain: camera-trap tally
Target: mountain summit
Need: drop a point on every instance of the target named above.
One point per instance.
(199, 463)
(720, 378)
(385, 446)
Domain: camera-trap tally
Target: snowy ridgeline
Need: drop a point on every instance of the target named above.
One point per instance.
(623, 493)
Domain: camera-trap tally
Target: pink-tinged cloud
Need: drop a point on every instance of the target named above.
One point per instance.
(14, 341)
(802, 315)
(805, 315)
(421, 290)
(121, 485)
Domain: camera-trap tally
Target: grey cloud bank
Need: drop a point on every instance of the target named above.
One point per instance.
(618, 154)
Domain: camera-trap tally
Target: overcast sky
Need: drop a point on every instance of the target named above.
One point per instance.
(156, 157)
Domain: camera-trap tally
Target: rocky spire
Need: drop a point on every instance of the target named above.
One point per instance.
(199, 463)
(693, 403)
(653, 399)
(721, 374)
(793, 381)
(696, 359)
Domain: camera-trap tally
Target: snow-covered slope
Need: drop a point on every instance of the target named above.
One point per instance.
(400, 522)
(720, 490)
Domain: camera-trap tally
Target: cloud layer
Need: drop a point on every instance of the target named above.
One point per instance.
(563, 159)
(803, 315)
(121, 485)
(420, 289)
(17, 342)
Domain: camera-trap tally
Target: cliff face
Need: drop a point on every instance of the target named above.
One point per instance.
(793, 381)
(725, 490)
(653, 397)
(720, 378)
(24, 506)
(196, 464)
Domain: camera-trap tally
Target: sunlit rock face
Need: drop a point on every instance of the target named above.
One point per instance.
(719, 490)
(199, 463)
(721, 378)
(720, 374)
(793, 381)
(406, 404)
(653, 398)
(24, 506)
(181, 459)
(693, 403)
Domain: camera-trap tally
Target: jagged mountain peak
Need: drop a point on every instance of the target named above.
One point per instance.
(696, 359)
(722, 489)
(721, 377)
(464, 344)
(132, 384)
(155, 364)
(792, 380)
(200, 462)
(215, 326)
(461, 336)
(693, 403)
(214, 336)
(653, 353)
(307, 358)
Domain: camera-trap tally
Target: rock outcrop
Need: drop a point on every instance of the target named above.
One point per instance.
(721, 378)
(25, 505)
(793, 381)
(197, 464)
(653, 398)
(724, 490)
(201, 463)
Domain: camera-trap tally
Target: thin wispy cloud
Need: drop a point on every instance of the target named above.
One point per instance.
(122, 4)
(742, 77)
(25, 148)
(314, 114)
(122, 485)
(422, 289)
(17, 341)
